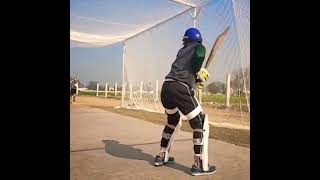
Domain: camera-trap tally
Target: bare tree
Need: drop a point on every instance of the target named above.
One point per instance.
(216, 87)
(238, 79)
(92, 85)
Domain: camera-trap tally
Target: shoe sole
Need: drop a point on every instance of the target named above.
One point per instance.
(203, 173)
(163, 163)
(159, 164)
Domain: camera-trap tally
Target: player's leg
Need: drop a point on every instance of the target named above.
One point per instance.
(74, 91)
(170, 130)
(200, 126)
(192, 110)
(172, 126)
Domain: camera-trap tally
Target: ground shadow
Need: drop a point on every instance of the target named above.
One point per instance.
(114, 148)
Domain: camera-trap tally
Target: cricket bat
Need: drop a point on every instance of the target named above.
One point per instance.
(217, 44)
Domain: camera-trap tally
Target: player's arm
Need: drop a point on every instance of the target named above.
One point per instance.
(202, 73)
(199, 55)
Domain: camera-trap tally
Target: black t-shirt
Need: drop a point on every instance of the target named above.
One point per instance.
(187, 63)
(73, 85)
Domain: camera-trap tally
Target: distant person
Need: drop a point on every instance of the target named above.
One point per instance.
(73, 90)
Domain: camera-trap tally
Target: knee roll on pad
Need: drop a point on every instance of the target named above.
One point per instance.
(197, 126)
(197, 135)
(197, 138)
(166, 134)
(174, 118)
(168, 129)
(196, 122)
(197, 149)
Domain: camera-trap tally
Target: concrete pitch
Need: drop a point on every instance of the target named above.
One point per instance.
(106, 145)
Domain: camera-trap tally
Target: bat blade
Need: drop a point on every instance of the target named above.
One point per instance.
(217, 44)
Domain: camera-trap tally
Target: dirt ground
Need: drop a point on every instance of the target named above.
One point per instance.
(231, 133)
(97, 101)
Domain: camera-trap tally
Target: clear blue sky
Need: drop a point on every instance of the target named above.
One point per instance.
(105, 64)
(97, 64)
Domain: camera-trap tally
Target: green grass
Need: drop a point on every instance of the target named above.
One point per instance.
(221, 99)
(215, 98)
(110, 94)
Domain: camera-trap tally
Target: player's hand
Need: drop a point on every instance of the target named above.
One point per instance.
(200, 85)
(203, 75)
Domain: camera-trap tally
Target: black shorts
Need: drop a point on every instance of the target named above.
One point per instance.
(177, 96)
(73, 91)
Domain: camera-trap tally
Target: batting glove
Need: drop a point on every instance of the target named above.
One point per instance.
(203, 75)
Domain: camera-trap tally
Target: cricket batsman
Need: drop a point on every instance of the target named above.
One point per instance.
(73, 90)
(177, 96)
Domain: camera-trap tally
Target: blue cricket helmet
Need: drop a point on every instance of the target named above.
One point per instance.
(192, 34)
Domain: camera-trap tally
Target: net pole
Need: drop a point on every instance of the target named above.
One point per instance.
(123, 94)
(194, 16)
(123, 61)
(141, 89)
(116, 89)
(106, 91)
(97, 89)
(130, 88)
(157, 90)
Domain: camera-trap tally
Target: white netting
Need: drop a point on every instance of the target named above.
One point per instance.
(150, 50)
(148, 56)
(99, 23)
(148, 59)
